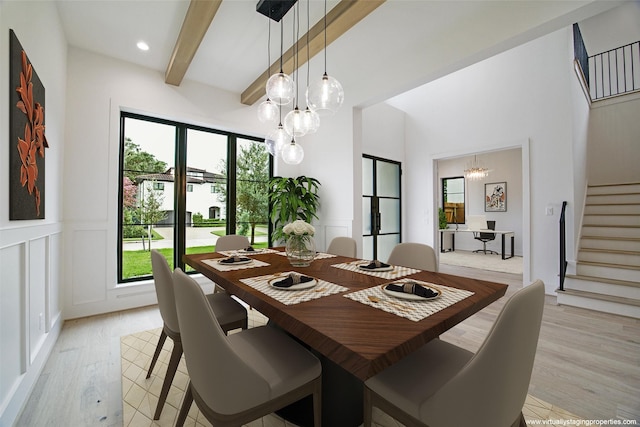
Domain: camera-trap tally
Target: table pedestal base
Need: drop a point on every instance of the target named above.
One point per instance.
(342, 395)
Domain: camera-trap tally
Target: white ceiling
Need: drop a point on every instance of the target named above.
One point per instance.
(402, 44)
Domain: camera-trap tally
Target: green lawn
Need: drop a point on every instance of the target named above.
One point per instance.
(138, 263)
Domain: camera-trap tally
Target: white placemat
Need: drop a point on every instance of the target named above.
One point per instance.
(231, 267)
(397, 272)
(319, 255)
(242, 252)
(287, 297)
(410, 309)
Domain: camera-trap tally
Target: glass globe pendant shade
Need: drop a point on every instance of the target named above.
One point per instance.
(292, 154)
(311, 120)
(280, 88)
(279, 138)
(325, 96)
(268, 112)
(294, 123)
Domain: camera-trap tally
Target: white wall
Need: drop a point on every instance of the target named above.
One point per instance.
(31, 252)
(521, 95)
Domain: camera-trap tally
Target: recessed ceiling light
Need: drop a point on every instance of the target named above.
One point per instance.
(143, 46)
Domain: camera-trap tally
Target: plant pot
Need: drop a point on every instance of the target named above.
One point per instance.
(301, 250)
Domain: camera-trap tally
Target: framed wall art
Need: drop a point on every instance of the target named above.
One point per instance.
(27, 138)
(495, 197)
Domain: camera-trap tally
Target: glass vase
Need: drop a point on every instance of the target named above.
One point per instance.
(301, 250)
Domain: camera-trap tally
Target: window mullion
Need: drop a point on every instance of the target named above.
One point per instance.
(180, 201)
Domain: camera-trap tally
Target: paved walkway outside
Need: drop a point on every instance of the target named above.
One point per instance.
(196, 236)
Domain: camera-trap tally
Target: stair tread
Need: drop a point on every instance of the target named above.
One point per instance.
(603, 280)
(606, 264)
(625, 239)
(611, 225)
(611, 251)
(611, 214)
(603, 297)
(620, 184)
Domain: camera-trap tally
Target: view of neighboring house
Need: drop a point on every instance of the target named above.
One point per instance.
(204, 195)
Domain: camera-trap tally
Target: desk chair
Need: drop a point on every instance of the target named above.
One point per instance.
(229, 313)
(342, 246)
(239, 378)
(486, 237)
(444, 385)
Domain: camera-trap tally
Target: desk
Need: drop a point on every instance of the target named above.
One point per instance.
(359, 339)
(453, 232)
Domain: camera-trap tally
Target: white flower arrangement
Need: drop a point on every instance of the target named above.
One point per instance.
(299, 228)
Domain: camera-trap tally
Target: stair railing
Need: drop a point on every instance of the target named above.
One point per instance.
(563, 247)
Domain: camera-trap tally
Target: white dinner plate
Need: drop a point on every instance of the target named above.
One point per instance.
(404, 295)
(361, 267)
(234, 263)
(298, 287)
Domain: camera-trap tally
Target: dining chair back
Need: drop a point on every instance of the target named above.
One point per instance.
(442, 384)
(232, 242)
(238, 378)
(343, 246)
(230, 313)
(414, 255)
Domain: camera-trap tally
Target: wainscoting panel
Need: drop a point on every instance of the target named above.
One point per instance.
(12, 316)
(54, 306)
(88, 267)
(38, 283)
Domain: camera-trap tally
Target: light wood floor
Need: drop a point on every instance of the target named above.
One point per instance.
(587, 362)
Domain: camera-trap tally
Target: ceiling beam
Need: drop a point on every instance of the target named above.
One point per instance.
(340, 19)
(194, 27)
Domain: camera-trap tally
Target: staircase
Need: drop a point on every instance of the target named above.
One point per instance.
(607, 270)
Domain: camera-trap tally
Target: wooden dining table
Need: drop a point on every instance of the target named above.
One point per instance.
(355, 337)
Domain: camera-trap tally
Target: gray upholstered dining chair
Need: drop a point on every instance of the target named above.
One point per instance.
(444, 385)
(230, 314)
(343, 246)
(414, 255)
(238, 378)
(232, 242)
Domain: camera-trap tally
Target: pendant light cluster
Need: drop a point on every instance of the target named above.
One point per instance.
(323, 98)
(475, 171)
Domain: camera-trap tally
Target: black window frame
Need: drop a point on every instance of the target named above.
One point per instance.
(464, 198)
(180, 186)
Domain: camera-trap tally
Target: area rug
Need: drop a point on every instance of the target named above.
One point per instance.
(482, 261)
(140, 395)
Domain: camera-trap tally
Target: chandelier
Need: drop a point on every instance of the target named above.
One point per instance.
(475, 171)
(323, 97)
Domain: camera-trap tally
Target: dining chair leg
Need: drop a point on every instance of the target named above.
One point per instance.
(186, 405)
(176, 354)
(368, 409)
(163, 337)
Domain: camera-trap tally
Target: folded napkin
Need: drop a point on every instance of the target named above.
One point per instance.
(249, 249)
(292, 279)
(412, 288)
(234, 259)
(375, 264)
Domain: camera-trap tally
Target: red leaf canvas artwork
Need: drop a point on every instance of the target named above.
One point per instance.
(27, 133)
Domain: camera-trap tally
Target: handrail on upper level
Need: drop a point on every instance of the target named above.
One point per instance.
(563, 247)
(611, 73)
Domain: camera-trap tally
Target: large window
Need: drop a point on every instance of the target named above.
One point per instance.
(453, 199)
(183, 186)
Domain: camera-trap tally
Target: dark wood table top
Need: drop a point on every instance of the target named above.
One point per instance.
(361, 339)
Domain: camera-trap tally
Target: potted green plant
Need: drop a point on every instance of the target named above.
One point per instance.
(292, 199)
(442, 219)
